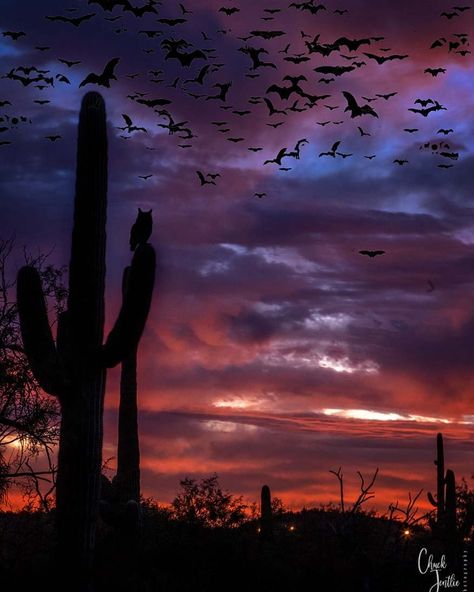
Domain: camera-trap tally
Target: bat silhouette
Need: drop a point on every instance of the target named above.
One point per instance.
(40, 102)
(362, 133)
(144, 177)
(151, 34)
(200, 77)
(449, 15)
(260, 195)
(424, 102)
(387, 96)
(235, 140)
(186, 59)
(267, 34)
(382, 59)
(410, 130)
(53, 138)
(153, 102)
(229, 11)
(355, 109)
(42, 47)
(278, 157)
(445, 131)
(104, 78)
(172, 22)
(14, 34)
(109, 5)
(254, 55)
(296, 59)
(332, 151)
(435, 71)
(252, 149)
(271, 108)
(139, 11)
(309, 6)
(203, 180)
(76, 21)
(400, 161)
(352, 44)
(224, 89)
(372, 253)
(335, 70)
(68, 63)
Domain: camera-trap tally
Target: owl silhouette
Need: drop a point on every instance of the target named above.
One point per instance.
(141, 229)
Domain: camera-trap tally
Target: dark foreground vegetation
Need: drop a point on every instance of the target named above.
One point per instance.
(205, 542)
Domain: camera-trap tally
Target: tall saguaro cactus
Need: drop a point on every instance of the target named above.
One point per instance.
(445, 502)
(74, 368)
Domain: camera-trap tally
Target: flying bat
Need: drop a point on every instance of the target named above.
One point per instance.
(229, 11)
(186, 59)
(332, 151)
(153, 102)
(203, 180)
(382, 59)
(76, 21)
(445, 131)
(259, 195)
(53, 138)
(335, 70)
(278, 157)
(109, 4)
(387, 96)
(372, 253)
(140, 10)
(400, 161)
(355, 109)
(68, 63)
(14, 34)
(267, 34)
(435, 71)
(104, 78)
(172, 22)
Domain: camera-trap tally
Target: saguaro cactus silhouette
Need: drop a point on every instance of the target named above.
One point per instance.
(74, 368)
(266, 516)
(445, 502)
(127, 479)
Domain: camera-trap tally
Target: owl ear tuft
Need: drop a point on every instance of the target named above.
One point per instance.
(140, 210)
(150, 211)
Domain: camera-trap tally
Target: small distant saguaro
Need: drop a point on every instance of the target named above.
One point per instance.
(266, 516)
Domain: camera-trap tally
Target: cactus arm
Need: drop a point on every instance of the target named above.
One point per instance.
(450, 503)
(432, 500)
(125, 335)
(36, 332)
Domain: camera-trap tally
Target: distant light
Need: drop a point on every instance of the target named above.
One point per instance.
(407, 533)
(292, 528)
(381, 416)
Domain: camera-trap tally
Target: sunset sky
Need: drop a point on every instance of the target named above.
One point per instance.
(274, 351)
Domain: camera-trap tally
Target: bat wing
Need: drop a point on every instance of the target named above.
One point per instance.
(108, 72)
(90, 79)
(351, 102)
